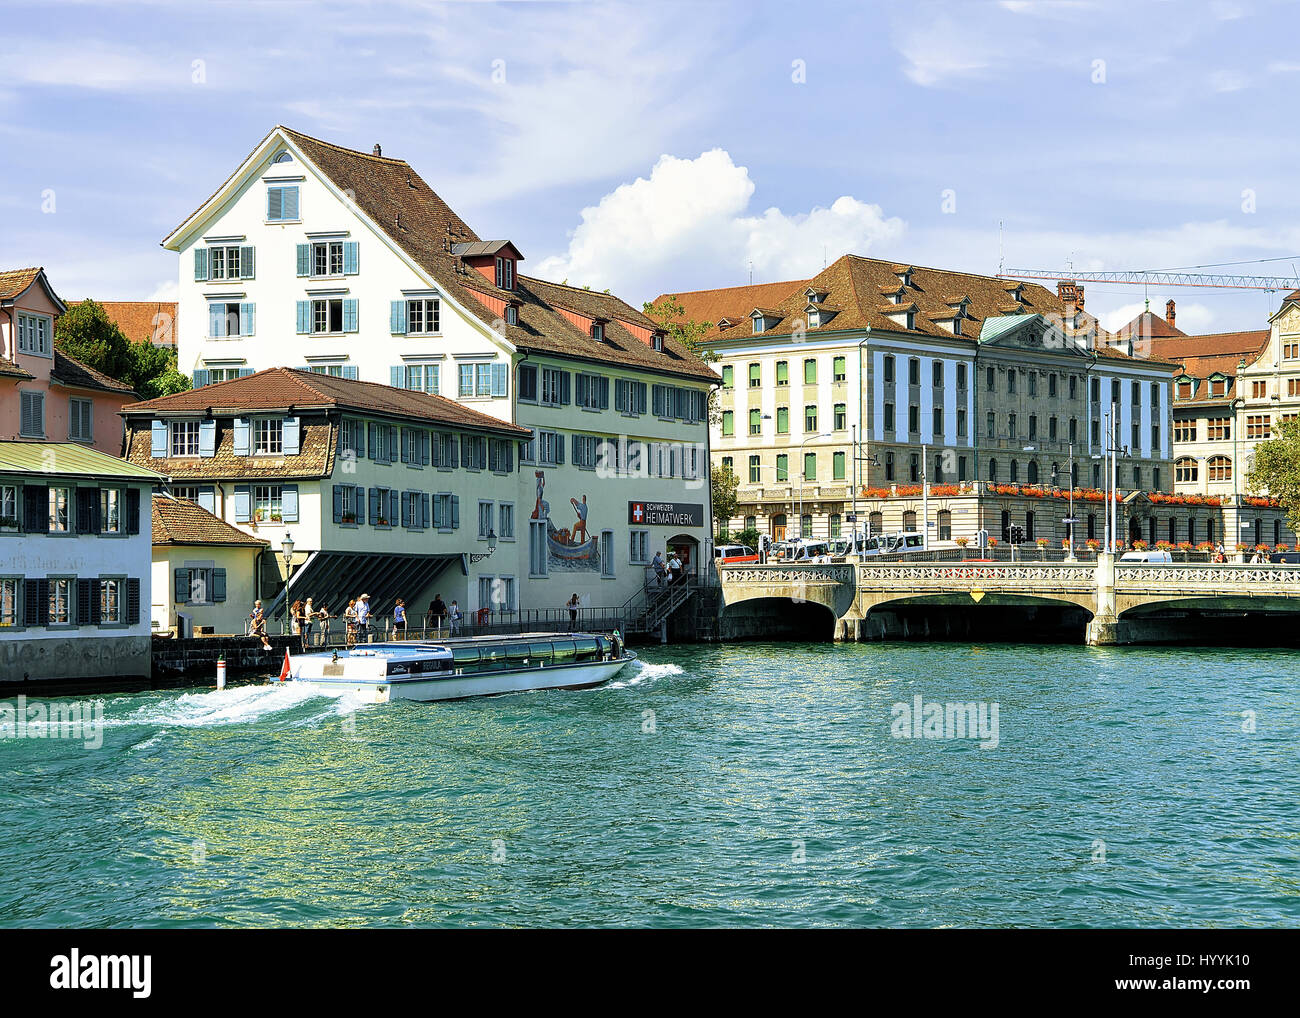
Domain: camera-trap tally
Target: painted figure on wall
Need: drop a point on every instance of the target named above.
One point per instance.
(567, 547)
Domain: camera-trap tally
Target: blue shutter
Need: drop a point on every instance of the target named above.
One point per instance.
(274, 203)
(201, 376)
(338, 503)
(208, 498)
(245, 372)
(207, 438)
(243, 503)
(603, 385)
(395, 376)
(564, 388)
(289, 503)
(304, 317)
(359, 503)
(158, 439)
(200, 264)
(216, 320)
(350, 371)
(374, 507)
(290, 202)
(245, 263)
(437, 511)
(424, 448)
(218, 585)
(242, 440)
(455, 512)
(499, 379)
(304, 259)
(246, 319)
(350, 315)
(559, 450)
(397, 316)
(181, 588)
(406, 511)
(291, 439)
(424, 510)
(351, 257)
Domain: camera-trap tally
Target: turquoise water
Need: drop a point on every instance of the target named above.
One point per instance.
(764, 789)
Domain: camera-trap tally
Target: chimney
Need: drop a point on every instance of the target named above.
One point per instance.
(378, 150)
(1080, 300)
(1169, 313)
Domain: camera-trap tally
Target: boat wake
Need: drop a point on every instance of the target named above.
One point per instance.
(233, 706)
(643, 672)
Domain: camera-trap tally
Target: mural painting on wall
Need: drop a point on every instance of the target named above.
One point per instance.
(570, 547)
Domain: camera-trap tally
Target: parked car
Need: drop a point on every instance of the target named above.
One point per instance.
(1151, 557)
(734, 553)
(801, 551)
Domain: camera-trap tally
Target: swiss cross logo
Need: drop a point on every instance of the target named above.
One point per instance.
(638, 512)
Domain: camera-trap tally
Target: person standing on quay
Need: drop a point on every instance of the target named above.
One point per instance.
(399, 620)
(350, 622)
(573, 604)
(363, 619)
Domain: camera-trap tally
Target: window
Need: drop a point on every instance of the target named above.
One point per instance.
(782, 372)
(223, 263)
(549, 448)
(837, 466)
(327, 315)
(889, 417)
(60, 502)
(505, 273)
(810, 417)
(728, 422)
(1033, 383)
(1015, 472)
(989, 379)
(1074, 386)
(1052, 428)
(1011, 381)
(1218, 429)
(60, 602)
(889, 466)
(639, 547)
(936, 374)
(782, 467)
(806, 525)
(80, 419)
(476, 380)
(1051, 386)
(961, 468)
(913, 371)
(282, 203)
(945, 525)
(909, 519)
(184, 438)
(424, 316)
(810, 371)
(1012, 426)
(1258, 390)
(1219, 468)
(607, 553)
(754, 470)
(31, 422)
(1033, 425)
(961, 376)
(8, 507)
(419, 377)
(991, 420)
(111, 602)
(834, 524)
(268, 503)
(914, 467)
(590, 391)
(34, 334)
(553, 386)
(961, 423)
(889, 370)
(506, 526)
(9, 601)
(839, 370)
(728, 376)
(755, 376)
(268, 436)
(755, 422)
(1185, 431)
(110, 511)
(841, 416)
(993, 470)
(810, 466)
(937, 422)
(783, 420)
(1258, 426)
(913, 419)
(486, 514)
(537, 548)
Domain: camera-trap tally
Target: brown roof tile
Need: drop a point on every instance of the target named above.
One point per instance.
(11, 370)
(15, 281)
(733, 302)
(154, 320)
(71, 372)
(315, 459)
(180, 521)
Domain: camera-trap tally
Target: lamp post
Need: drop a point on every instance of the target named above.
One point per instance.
(803, 475)
(286, 549)
(492, 546)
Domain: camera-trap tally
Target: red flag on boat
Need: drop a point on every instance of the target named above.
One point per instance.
(284, 671)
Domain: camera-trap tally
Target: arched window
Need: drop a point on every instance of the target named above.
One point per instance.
(1031, 472)
(945, 525)
(1219, 468)
(876, 522)
(1209, 529)
(1006, 525)
(1029, 525)
(834, 524)
(909, 520)
(993, 469)
(778, 527)
(1015, 472)
(805, 525)
(1186, 469)
(1092, 526)
(751, 522)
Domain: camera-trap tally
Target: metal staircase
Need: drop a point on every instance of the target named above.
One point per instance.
(648, 610)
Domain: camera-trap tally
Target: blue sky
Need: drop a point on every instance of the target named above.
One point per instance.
(673, 146)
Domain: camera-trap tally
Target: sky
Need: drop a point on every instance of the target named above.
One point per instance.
(663, 147)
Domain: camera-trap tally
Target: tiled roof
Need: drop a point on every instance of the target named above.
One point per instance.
(9, 369)
(180, 521)
(289, 388)
(15, 281)
(71, 372)
(733, 302)
(1148, 325)
(394, 196)
(315, 459)
(142, 319)
(1202, 356)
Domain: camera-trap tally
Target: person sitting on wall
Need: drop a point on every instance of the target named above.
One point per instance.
(257, 625)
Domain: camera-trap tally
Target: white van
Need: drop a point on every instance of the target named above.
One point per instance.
(1152, 557)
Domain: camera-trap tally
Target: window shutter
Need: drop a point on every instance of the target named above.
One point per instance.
(304, 259)
(499, 379)
(405, 453)
(208, 498)
(96, 609)
(83, 602)
(132, 510)
(158, 447)
(216, 320)
(338, 503)
(290, 202)
(424, 448)
(182, 589)
(243, 503)
(304, 317)
(455, 512)
(406, 510)
(289, 503)
(374, 507)
(359, 503)
(36, 508)
(424, 510)
(559, 450)
(437, 511)
(36, 602)
(218, 585)
(246, 319)
(564, 388)
(200, 264)
(454, 446)
(577, 453)
(207, 438)
(274, 203)
(350, 315)
(394, 507)
(508, 453)
(351, 257)
(86, 499)
(133, 602)
(291, 435)
(242, 440)
(395, 376)
(620, 395)
(350, 371)
(397, 316)
(603, 384)
(200, 378)
(245, 263)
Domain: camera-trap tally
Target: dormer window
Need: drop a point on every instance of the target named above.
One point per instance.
(904, 274)
(763, 319)
(815, 296)
(657, 342)
(598, 332)
(1184, 387)
(512, 315)
(506, 273)
(1218, 385)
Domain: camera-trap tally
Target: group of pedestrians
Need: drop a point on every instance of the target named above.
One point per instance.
(441, 613)
(668, 572)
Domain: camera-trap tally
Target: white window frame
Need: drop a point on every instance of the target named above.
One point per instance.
(331, 252)
(112, 600)
(110, 510)
(81, 411)
(55, 508)
(322, 311)
(486, 515)
(427, 311)
(63, 591)
(638, 547)
(268, 436)
(226, 255)
(506, 522)
(9, 507)
(10, 594)
(35, 334)
(271, 498)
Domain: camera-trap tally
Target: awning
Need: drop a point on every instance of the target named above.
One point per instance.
(333, 578)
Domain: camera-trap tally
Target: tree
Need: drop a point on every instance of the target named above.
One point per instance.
(723, 483)
(1276, 469)
(87, 334)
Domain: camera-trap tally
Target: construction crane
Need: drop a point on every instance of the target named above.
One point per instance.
(1160, 277)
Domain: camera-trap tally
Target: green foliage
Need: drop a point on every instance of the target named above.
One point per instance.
(724, 482)
(671, 316)
(749, 536)
(87, 334)
(1276, 469)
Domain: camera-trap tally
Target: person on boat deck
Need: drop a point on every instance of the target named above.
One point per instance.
(399, 620)
(322, 613)
(363, 618)
(454, 617)
(573, 604)
(660, 569)
(437, 612)
(295, 618)
(350, 622)
(258, 626)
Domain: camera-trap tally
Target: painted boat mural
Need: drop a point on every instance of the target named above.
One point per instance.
(567, 547)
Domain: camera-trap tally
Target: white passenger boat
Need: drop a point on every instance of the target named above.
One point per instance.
(458, 668)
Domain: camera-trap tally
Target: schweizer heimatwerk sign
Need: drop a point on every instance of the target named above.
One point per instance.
(665, 514)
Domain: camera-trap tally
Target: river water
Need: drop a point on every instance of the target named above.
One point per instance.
(744, 784)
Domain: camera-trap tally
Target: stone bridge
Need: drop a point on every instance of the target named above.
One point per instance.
(1118, 603)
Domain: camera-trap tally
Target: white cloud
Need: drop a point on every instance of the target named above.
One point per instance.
(685, 226)
(166, 290)
(1227, 81)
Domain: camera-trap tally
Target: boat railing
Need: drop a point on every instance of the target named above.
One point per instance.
(515, 622)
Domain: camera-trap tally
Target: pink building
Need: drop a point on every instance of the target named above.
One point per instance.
(45, 395)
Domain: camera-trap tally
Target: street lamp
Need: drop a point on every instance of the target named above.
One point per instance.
(286, 549)
(492, 546)
(803, 475)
